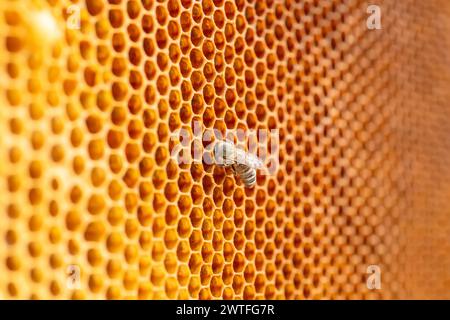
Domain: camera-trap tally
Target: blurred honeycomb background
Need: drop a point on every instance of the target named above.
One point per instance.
(86, 180)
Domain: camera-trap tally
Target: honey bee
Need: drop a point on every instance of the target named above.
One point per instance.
(243, 164)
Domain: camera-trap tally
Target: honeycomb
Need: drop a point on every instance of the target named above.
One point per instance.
(87, 181)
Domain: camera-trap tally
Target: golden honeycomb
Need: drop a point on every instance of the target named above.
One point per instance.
(86, 116)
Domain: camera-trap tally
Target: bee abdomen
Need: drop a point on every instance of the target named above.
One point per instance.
(246, 173)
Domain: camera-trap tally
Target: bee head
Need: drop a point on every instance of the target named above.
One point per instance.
(224, 154)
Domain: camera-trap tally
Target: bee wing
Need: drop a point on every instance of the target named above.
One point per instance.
(227, 154)
(248, 159)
